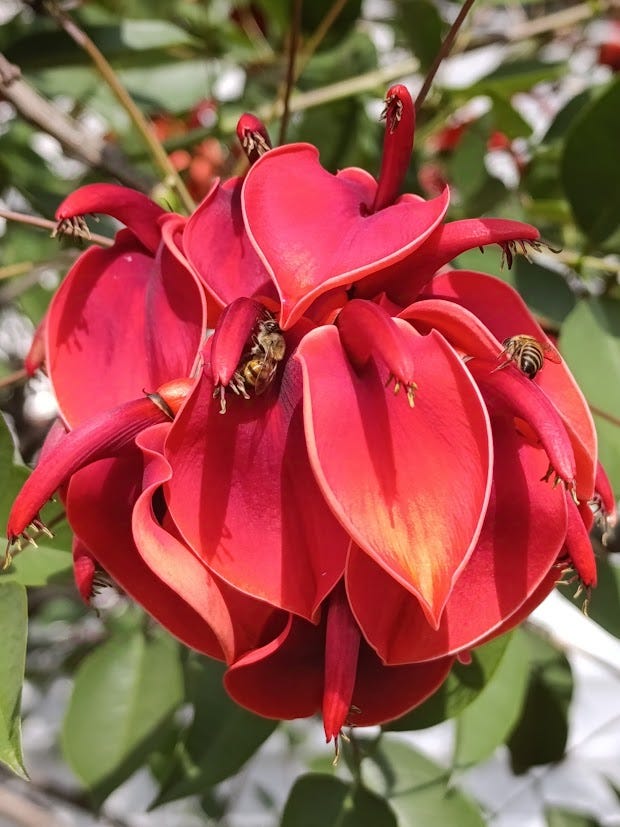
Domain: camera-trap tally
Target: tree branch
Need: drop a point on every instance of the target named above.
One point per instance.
(76, 141)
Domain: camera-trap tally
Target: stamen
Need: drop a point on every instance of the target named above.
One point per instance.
(411, 388)
(512, 248)
(569, 485)
(74, 227)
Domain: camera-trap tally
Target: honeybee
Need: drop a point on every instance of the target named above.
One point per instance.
(527, 353)
(258, 367)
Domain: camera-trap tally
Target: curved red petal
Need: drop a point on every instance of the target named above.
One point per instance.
(504, 312)
(99, 437)
(383, 693)
(100, 502)
(244, 496)
(410, 486)
(404, 281)
(84, 568)
(237, 620)
(284, 678)
(605, 494)
(234, 328)
(522, 536)
(132, 208)
(314, 231)
(121, 322)
(578, 545)
(218, 247)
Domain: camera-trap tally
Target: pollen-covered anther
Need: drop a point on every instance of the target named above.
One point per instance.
(392, 111)
(75, 227)
(569, 485)
(523, 246)
(16, 543)
(410, 388)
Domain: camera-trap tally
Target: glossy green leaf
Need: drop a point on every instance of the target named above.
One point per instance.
(325, 801)
(489, 719)
(124, 693)
(419, 791)
(418, 25)
(590, 169)
(463, 685)
(541, 732)
(557, 817)
(14, 625)
(605, 599)
(223, 735)
(517, 76)
(41, 566)
(590, 343)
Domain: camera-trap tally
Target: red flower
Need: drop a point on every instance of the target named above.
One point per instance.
(357, 486)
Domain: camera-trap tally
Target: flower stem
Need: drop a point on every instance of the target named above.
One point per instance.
(614, 420)
(46, 224)
(443, 52)
(290, 69)
(172, 178)
(18, 269)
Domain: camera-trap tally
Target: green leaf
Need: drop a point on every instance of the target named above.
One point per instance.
(325, 801)
(463, 685)
(590, 169)
(557, 817)
(417, 23)
(419, 791)
(590, 343)
(223, 735)
(540, 735)
(14, 625)
(488, 720)
(517, 76)
(603, 606)
(39, 566)
(124, 693)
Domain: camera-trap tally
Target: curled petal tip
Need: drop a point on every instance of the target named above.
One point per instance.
(253, 136)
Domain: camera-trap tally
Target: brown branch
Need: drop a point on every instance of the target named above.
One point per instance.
(444, 51)
(15, 378)
(290, 69)
(614, 420)
(74, 139)
(46, 224)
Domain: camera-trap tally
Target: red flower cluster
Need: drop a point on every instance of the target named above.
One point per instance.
(353, 480)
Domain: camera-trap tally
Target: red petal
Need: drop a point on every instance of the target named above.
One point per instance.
(579, 547)
(399, 117)
(132, 208)
(383, 693)
(217, 245)
(237, 620)
(313, 230)
(523, 533)
(605, 493)
(120, 323)
(505, 313)
(235, 326)
(102, 436)
(84, 568)
(342, 645)
(283, 679)
(99, 507)
(410, 486)
(244, 496)
(36, 352)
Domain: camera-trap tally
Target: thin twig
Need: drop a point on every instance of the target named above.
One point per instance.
(18, 269)
(614, 420)
(46, 224)
(316, 38)
(15, 378)
(173, 179)
(93, 150)
(443, 52)
(290, 69)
